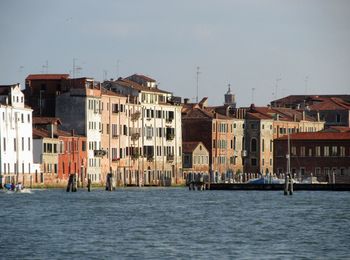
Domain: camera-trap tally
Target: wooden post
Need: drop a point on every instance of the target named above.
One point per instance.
(89, 184)
(286, 180)
(291, 184)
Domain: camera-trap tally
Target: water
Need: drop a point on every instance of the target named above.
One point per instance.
(155, 223)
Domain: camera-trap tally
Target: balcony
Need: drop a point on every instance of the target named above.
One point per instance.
(135, 136)
(150, 158)
(115, 111)
(170, 158)
(169, 120)
(115, 136)
(135, 116)
(170, 137)
(135, 155)
(99, 153)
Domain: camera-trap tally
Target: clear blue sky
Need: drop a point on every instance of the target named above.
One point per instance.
(247, 43)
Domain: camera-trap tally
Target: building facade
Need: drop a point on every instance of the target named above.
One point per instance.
(160, 137)
(315, 154)
(80, 109)
(221, 134)
(41, 92)
(195, 160)
(16, 143)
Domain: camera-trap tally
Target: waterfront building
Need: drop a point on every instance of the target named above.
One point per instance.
(333, 109)
(160, 138)
(79, 108)
(195, 160)
(16, 144)
(317, 154)
(263, 125)
(41, 91)
(220, 135)
(121, 132)
(71, 151)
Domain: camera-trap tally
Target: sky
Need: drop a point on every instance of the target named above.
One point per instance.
(256, 46)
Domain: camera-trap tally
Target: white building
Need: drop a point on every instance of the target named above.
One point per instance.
(16, 144)
(80, 109)
(161, 135)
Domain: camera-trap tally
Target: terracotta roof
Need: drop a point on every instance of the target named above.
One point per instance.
(318, 136)
(188, 147)
(285, 114)
(337, 129)
(105, 91)
(331, 104)
(134, 85)
(39, 133)
(47, 76)
(46, 120)
(143, 77)
(299, 99)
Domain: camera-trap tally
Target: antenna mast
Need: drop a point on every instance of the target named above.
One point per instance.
(197, 79)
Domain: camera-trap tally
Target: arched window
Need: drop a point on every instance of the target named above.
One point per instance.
(253, 145)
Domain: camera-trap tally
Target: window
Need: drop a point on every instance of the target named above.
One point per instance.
(22, 143)
(326, 151)
(253, 145)
(14, 144)
(253, 162)
(271, 145)
(4, 144)
(338, 118)
(83, 146)
(302, 151)
(294, 150)
(334, 150)
(29, 144)
(234, 143)
(310, 152)
(318, 171)
(318, 150)
(342, 151)
(263, 145)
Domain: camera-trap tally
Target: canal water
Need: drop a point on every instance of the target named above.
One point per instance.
(168, 223)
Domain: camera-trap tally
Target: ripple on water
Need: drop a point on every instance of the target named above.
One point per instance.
(175, 223)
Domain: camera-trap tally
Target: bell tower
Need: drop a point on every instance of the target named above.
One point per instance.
(230, 99)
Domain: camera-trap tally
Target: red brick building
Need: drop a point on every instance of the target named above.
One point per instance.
(67, 156)
(72, 155)
(319, 154)
(41, 91)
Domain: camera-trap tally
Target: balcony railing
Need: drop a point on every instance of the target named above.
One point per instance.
(135, 136)
(150, 158)
(170, 157)
(170, 137)
(135, 155)
(169, 120)
(135, 116)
